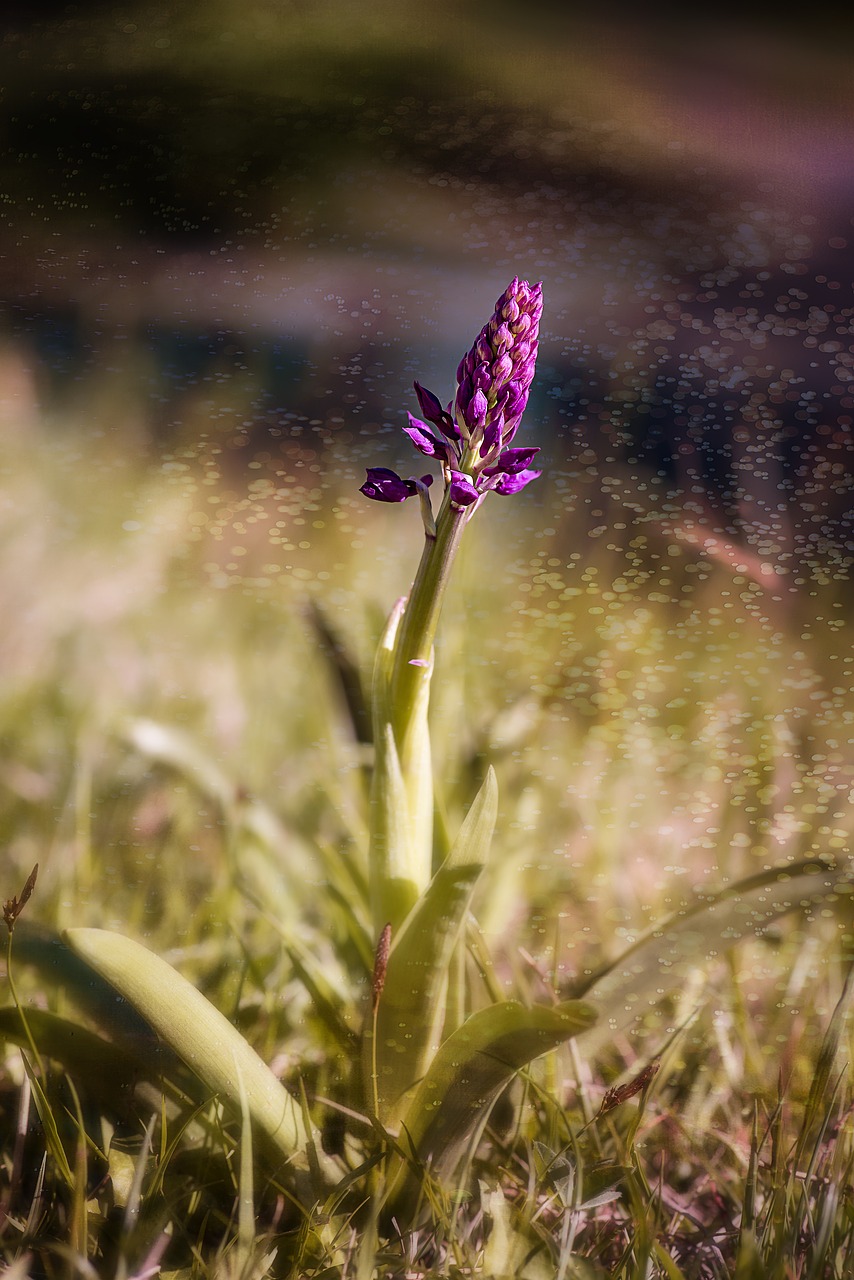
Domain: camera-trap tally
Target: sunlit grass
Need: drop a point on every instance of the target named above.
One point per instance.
(178, 758)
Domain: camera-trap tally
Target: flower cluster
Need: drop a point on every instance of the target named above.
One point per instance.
(472, 435)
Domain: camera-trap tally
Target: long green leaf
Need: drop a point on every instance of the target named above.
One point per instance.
(467, 1075)
(344, 669)
(626, 990)
(58, 966)
(411, 1012)
(108, 1071)
(202, 1037)
(401, 848)
(394, 887)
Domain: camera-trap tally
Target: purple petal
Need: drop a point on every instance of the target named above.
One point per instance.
(510, 292)
(384, 485)
(433, 412)
(466, 367)
(513, 483)
(424, 440)
(482, 349)
(430, 405)
(501, 369)
(509, 311)
(475, 410)
(511, 461)
(503, 339)
(463, 492)
(517, 398)
(481, 378)
(492, 432)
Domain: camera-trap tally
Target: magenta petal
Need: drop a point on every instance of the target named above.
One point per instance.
(384, 485)
(503, 339)
(512, 461)
(423, 439)
(430, 405)
(433, 412)
(501, 369)
(476, 410)
(481, 378)
(492, 433)
(463, 492)
(513, 483)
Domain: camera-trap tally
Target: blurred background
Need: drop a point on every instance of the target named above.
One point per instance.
(234, 233)
(264, 218)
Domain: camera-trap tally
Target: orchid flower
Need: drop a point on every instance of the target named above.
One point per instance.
(471, 437)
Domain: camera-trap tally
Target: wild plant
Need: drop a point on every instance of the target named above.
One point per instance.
(434, 1042)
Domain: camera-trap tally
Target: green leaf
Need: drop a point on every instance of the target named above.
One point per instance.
(401, 848)
(667, 1264)
(328, 1004)
(578, 1186)
(177, 750)
(829, 1068)
(394, 885)
(411, 1011)
(53, 1142)
(471, 847)
(626, 990)
(748, 1263)
(258, 828)
(202, 1037)
(467, 1075)
(106, 1071)
(61, 969)
(344, 669)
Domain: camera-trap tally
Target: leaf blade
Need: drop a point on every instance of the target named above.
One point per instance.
(627, 989)
(470, 1070)
(200, 1035)
(411, 1012)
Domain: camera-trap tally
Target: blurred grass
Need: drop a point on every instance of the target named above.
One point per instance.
(651, 716)
(655, 726)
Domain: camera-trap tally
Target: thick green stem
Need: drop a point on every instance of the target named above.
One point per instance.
(414, 645)
(401, 847)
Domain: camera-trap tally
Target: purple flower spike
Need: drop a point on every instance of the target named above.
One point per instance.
(501, 362)
(384, 485)
(472, 436)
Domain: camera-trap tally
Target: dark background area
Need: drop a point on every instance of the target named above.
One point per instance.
(271, 216)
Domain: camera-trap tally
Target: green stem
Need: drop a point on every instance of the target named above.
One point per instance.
(17, 1003)
(418, 625)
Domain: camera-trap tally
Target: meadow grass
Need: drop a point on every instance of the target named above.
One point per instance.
(180, 760)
